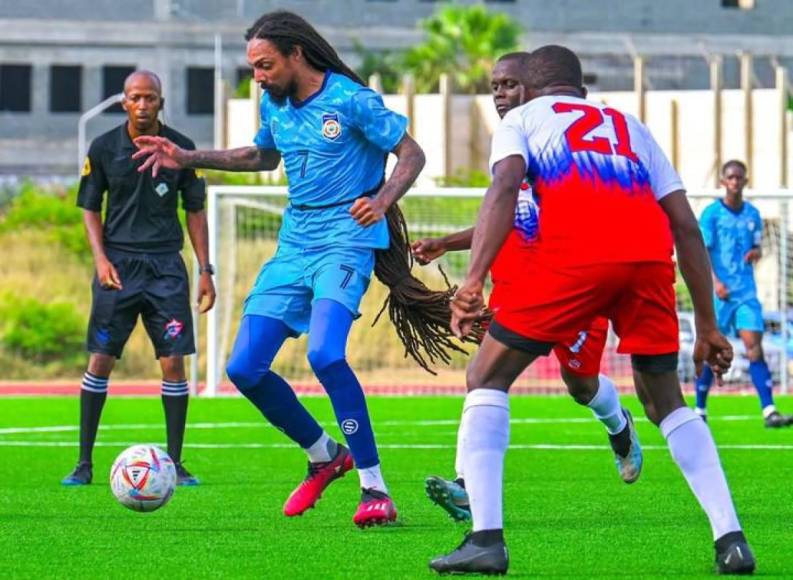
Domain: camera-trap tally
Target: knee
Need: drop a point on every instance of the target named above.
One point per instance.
(321, 358)
(754, 352)
(172, 368)
(582, 389)
(245, 375)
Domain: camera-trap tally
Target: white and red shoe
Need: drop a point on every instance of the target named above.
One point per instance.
(320, 476)
(375, 509)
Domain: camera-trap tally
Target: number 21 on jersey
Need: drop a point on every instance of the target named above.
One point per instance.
(579, 137)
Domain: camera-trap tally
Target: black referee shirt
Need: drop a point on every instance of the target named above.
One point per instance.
(141, 211)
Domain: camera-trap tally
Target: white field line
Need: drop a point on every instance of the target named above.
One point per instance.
(396, 423)
(530, 447)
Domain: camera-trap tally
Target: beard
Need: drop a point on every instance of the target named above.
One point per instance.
(279, 94)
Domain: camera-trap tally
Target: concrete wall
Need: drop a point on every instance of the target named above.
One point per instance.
(474, 118)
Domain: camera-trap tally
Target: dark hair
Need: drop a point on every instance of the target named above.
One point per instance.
(523, 61)
(733, 163)
(287, 30)
(555, 65)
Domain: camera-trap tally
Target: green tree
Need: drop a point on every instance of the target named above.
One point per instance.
(463, 42)
(385, 63)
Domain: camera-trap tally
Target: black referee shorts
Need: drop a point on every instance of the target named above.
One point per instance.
(155, 286)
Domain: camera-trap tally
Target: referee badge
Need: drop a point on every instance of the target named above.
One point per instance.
(161, 189)
(331, 128)
(86, 170)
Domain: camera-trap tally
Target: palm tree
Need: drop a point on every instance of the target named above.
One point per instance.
(464, 42)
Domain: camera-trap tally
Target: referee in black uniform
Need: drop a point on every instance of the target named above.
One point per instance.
(139, 269)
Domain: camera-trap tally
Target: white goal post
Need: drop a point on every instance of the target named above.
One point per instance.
(243, 228)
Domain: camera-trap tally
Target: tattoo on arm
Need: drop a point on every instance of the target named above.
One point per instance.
(240, 159)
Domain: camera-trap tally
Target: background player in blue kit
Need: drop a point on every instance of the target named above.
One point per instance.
(733, 232)
(334, 135)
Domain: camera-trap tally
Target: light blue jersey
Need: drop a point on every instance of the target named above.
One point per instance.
(729, 235)
(334, 146)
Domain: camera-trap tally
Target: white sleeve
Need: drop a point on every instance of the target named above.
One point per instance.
(663, 177)
(509, 139)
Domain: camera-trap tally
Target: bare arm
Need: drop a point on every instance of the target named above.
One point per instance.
(198, 231)
(496, 217)
(458, 241)
(240, 159)
(410, 162)
(160, 152)
(695, 266)
(428, 249)
(105, 271)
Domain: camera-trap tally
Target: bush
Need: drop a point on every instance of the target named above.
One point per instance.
(39, 331)
(53, 211)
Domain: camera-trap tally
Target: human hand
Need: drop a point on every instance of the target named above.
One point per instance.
(427, 250)
(753, 256)
(712, 347)
(367, 211)
(107, 275)
(467, 305)
(158, 152)
(206, 293)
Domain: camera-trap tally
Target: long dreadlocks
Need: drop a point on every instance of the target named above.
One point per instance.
(421, 316)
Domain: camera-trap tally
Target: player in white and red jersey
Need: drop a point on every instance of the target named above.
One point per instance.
(579, 356)
(611, 209)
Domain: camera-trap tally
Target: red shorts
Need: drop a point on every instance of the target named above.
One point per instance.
(553, 304)
(582, 355)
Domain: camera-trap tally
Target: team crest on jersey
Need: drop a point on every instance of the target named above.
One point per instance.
(86, 171)
(161, 189)
(331, 127)
(173, 328)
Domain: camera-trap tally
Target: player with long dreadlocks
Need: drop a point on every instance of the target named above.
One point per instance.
(334, 135)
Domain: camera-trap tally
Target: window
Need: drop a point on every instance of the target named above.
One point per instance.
(15, 89)
(113, 78)
(66, 88)
(200, 91)
(742, 4)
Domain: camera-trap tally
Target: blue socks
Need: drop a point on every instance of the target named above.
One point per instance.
(761, 378)
(327, 339)
(703, 384)
(258, 340)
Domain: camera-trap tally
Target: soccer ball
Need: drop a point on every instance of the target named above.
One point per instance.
(143, 478)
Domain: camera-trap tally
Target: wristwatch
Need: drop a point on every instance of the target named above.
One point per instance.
(209, 269)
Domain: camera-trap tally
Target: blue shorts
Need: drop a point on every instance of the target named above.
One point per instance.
(735, 315)
(294, 278)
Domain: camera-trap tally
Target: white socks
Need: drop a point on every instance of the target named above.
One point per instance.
(694, 451)
(320, 451)
(459, 463)
(606, 407)
(485, 435)
(371, 478)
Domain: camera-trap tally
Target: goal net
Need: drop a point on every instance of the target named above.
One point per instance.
(244, 223)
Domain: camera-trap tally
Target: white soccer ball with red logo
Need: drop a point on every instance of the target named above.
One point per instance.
(143, 478)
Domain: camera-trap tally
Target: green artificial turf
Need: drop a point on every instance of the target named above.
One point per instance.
(567, 512)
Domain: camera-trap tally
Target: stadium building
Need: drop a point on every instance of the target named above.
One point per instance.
(58, 60)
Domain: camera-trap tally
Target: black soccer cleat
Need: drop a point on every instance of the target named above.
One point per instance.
(82, 475)
(776, 420)
(733, 555)
(184, 477)
(471, 558)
